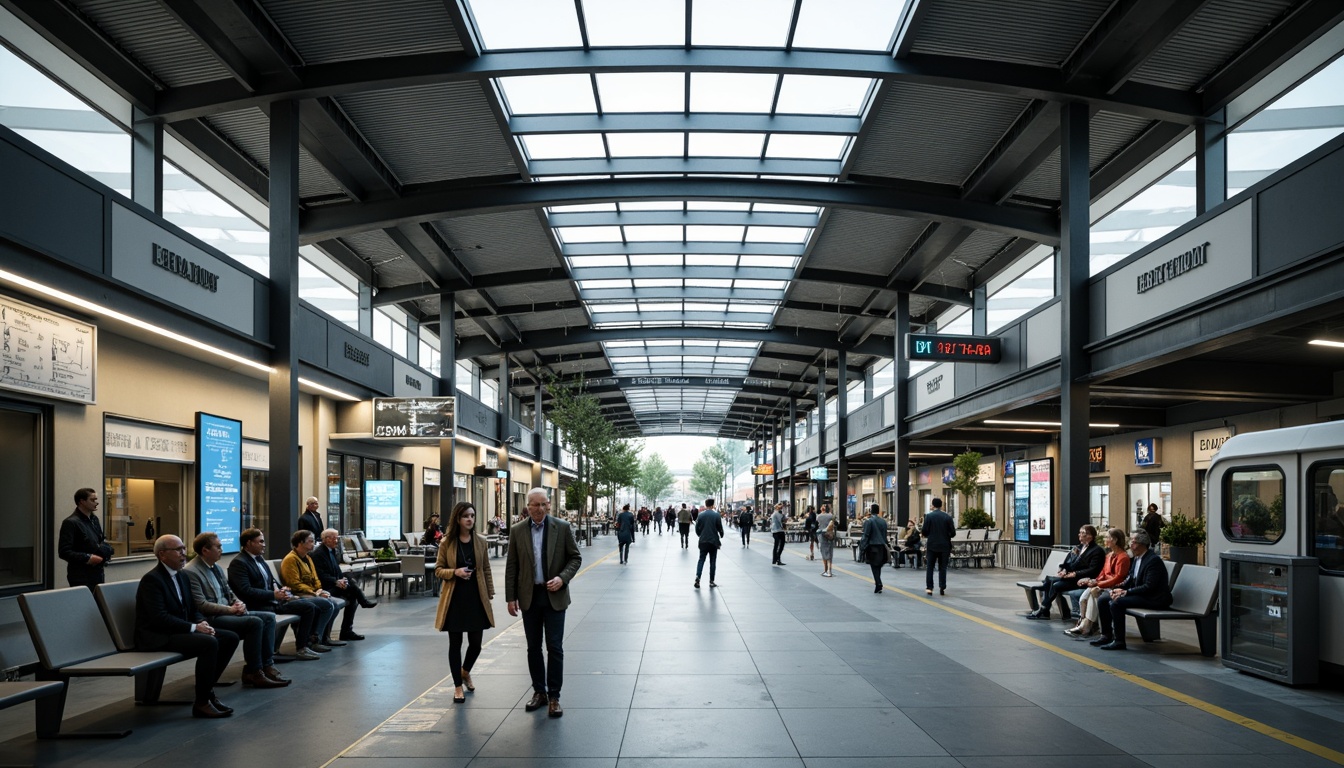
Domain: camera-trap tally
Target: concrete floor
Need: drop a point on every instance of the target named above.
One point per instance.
(776, 667)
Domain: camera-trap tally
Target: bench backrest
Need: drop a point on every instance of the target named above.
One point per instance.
(993, 534)
(1052, 563)
(1196, 590)
(116, 600)
(65, 626)
(16, 647)
(1173, 570)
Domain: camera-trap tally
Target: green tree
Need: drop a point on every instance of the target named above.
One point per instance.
(966, 481)
(616, 466)
(585, 430)
(654, 479)
(720, 460)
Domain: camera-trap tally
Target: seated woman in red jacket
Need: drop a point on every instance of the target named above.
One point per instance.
(1113, 574)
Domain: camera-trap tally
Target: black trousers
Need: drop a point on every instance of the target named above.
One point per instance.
(779, 547)
(307, 611)
(685, 534)
(455, 660)
(212, 653)
(1053, 587)
(939, 560)
(353, 596)
(746, 534)
(541, 621)
(877, 557)
(1111, 613)
(257, 633)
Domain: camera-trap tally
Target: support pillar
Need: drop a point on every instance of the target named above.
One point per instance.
(283, 491)
(842, 436)
(1211, 162)
(447, 386)
(1075, 198)
(147, 161)
(900, 374)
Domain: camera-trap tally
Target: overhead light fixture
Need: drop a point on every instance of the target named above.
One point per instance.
(328, 390)
(1044, 423)
(99, 309)
(1327, 343)
(930, 455)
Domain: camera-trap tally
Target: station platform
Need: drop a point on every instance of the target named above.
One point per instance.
(776, 667)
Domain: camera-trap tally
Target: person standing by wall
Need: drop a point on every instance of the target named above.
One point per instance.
(309, 520)
(938, 531)
(1153, 524)
(81, 543)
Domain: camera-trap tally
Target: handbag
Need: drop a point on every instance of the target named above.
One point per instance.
(829, 533)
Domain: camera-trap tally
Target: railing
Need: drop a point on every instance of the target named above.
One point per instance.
(1023, 557)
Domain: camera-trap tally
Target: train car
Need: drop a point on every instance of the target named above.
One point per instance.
(1281, 491)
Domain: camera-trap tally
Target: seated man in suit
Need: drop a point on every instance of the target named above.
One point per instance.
(166, 619)
(1084, 562)
(251, 580)
(328, 558)
(1146, 587)
(211, 594)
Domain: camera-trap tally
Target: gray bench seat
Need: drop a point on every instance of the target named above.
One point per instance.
(1194, 597)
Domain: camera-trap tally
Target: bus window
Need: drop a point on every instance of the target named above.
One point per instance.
(1327, 515)
(1253, 505)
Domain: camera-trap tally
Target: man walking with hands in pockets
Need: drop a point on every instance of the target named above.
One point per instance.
(543, 559)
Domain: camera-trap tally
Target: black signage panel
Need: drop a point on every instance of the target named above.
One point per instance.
(938, 347)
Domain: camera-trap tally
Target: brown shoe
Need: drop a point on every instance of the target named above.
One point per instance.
(260, 680)
(553, 708)
(275, 675)
(206, 710)
(538, 701)
(466, 680)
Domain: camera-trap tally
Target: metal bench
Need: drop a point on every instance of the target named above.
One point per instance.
(1051, 568)
(1194, 597)
(72, 639)
(17, 657)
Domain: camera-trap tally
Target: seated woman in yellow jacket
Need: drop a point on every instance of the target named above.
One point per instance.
(299, 573)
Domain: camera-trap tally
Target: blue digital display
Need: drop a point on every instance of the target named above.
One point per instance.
(382, 507)
(219, 477)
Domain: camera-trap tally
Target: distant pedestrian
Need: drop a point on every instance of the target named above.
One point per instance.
(938, 531)
(777, 531)
(874, 544)
(810, 532)
(745, 521)
(826, 522)
(625, 533)
(684, 525)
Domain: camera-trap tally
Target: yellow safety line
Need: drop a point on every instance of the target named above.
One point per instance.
(449, 676)
(1319, 750)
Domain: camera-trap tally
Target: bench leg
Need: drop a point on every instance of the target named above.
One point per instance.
(149, 685)
(1065, 610)
(51, 711)
(1207, 629)
(1149, 630)
(1031, 598)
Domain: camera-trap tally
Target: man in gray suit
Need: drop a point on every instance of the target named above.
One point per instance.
(543, 558)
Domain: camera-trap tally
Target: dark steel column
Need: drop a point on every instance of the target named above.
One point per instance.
(776, 442)
(900, 372)
(539, 426)
(1075, 197)
(1211, 162)
(842, 436)
(448, 388)
(364, 315)
(502, 401)
(820, 412)
(147, 161)
(283, 492)
(793, 449)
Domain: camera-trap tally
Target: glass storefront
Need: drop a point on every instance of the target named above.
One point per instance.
(345, 489)
(23, 476)
(142, 500)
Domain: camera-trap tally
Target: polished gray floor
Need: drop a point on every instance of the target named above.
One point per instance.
(775, 667)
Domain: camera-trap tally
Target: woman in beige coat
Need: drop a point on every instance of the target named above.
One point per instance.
(463, 565)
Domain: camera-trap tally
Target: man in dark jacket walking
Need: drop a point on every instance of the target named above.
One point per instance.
(938, 532)
(709, 530)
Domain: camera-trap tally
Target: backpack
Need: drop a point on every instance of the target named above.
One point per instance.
(830, 530)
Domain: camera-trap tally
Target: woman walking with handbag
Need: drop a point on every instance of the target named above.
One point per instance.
(463, 564)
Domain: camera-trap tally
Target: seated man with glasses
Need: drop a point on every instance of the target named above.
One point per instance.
(167, 619)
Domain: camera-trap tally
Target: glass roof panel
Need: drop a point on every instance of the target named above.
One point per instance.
(775, 285)
(778, 234)
(823, 95)
(732, 92)
(770, 261)
(515, 24)
(646, 144)
(623, 23)
(716, 205)
(548, 94)
(708, 283)
(656, 260)
(589, 234)
(563, 146)
(711, 260)
(652, 205)
(585, 208)
(749, 23)
(861, 25)
(783, 208)
(597, 261)
(657, 282)
(642, 91)
(653, 233)
(806, 145)
(595, 284)
(714, 233)
(613, 307)
(705, 144)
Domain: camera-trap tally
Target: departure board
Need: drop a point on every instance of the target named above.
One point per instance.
(940, 347)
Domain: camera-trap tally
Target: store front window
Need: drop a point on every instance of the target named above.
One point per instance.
(23, 476)
(345, 489)
(1148, 489)
(1098, 503)
(142, 500)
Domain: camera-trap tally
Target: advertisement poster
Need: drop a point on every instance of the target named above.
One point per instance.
(1041, 478)
(1021, 502)
(219, 477)
(382, 505)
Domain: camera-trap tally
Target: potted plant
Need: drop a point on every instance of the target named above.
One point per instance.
(1183, 535)
(975, 517)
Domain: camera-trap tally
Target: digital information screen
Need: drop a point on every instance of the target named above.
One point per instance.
(946, 346)
(818, 473)
(219, 477)
(763, 469)
(382, 507)
(410, 417)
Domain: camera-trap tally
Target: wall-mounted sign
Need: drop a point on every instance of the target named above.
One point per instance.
(1148, 452)
(949, 475)
(1009, 471)
(433, 477)
(492, 460)
(867, 484)
(46, 353)
(1096, 458)
(1021, 501)
(763, 469)
(382, 508)
(410, 417)
(138, 440)
(953, 347)
(985, 474)
(818, 473)
(934, 386)
(219, 477)
(1042, 495)
(889, 481)
(1205, 444)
